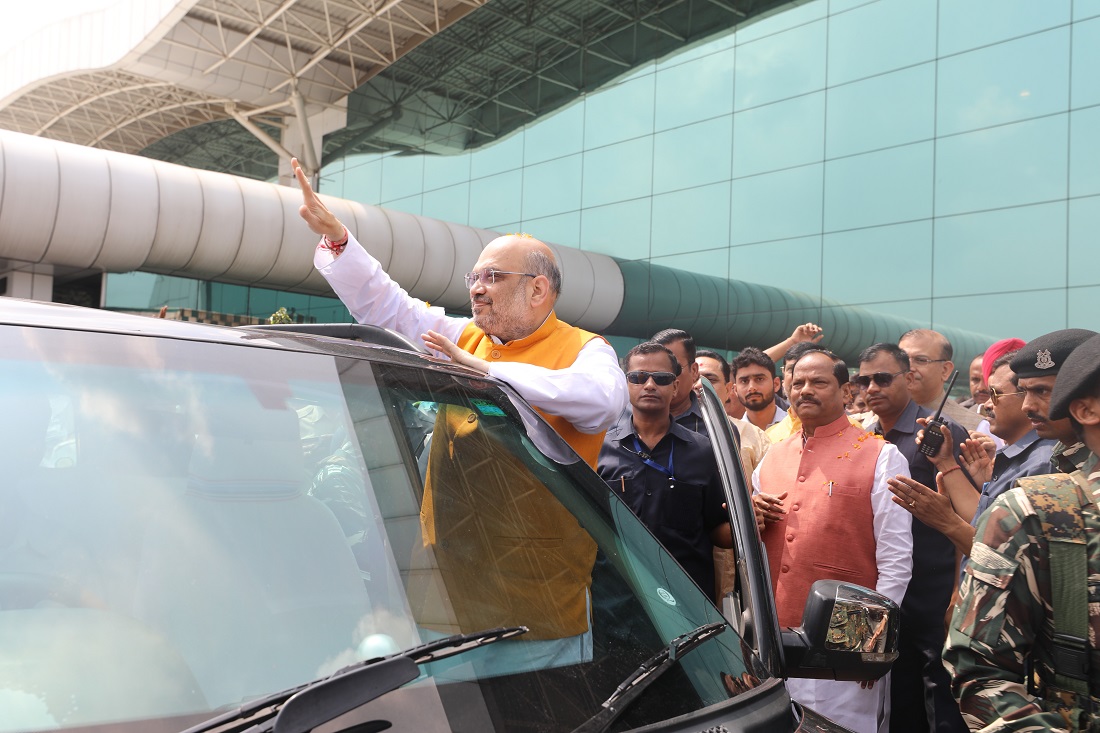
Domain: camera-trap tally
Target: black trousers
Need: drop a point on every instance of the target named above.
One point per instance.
(920, 688)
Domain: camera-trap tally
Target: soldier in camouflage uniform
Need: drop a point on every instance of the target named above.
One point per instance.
(1021, 648)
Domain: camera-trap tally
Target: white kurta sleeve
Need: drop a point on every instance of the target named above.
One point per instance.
(373, 298)
(893, 527)
(590, 393)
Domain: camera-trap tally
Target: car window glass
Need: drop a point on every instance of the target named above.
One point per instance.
(205, 524)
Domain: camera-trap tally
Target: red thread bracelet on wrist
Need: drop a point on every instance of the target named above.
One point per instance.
(956, 467)
(335, 247)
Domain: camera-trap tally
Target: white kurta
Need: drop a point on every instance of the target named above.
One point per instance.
(590, 393)
(867, 711)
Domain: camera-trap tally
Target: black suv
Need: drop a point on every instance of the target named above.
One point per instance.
(205, 528)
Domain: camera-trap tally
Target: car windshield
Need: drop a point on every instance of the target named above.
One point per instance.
(186, 526)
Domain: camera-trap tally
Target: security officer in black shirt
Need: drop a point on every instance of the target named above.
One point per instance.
(665, 473)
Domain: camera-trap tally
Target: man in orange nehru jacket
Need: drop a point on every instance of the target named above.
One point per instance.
(828, 514)
(572, 377)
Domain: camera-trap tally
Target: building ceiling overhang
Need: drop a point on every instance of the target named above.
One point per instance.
(215, 57)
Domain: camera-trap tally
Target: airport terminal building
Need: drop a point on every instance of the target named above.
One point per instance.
(727, 166)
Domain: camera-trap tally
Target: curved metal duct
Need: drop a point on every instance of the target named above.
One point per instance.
(733, 314)
(82, 207)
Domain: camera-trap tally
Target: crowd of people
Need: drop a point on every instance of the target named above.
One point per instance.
(986, 539)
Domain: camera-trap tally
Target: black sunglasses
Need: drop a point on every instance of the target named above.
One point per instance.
(882, 379)
(661, 379)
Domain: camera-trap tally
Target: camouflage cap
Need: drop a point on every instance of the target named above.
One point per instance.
(1078, 377)
(1044, 356)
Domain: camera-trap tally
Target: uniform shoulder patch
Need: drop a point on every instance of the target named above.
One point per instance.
(1057, 502)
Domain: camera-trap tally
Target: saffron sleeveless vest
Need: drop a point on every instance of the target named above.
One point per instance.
(828, 530)
(509, 552)
(554, 345)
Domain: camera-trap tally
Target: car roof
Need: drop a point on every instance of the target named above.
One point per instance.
(29, 313)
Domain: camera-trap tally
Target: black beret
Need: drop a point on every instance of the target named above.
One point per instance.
(1045, 355)
(1078, 378)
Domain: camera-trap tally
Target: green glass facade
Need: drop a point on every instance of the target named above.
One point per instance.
(933, 160)
(930, 160)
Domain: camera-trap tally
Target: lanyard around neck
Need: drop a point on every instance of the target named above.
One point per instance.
(648, 460)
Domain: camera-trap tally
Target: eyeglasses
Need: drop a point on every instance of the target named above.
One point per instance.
(925, 361)
(661, 379)
(882, 379)
(488, 277)
(995, 396)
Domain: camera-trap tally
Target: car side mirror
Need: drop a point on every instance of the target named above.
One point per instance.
(847, 633)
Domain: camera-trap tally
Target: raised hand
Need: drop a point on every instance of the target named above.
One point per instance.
(976, 460)
(313, 210)
(931, 506)
(944, 458)
(807, 332)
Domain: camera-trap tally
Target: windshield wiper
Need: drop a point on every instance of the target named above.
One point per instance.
(302, 708)
(645, 675)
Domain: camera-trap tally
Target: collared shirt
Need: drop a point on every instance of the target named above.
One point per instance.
(1028, 456)
(933, 582)
(692, 417)
(590, 393)
(780, 413)
(681, 511)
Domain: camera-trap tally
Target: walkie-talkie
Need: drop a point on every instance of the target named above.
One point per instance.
(933, 438)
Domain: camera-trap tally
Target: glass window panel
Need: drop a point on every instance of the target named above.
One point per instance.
(1008, 165)
(879, 37)
(1005, 314)
(836, 7)
(449, 204)
(554, 136)
(1083, 304)
(918, 310)
(619, 230)
(1011, 81)
(495, 200)
(1085, 84)
(128, 290)
(503, 155)
(967, 24)
(784, 65)
(779, 135)
(863, 265)
(880, 112)
(1084, 162)
(1085, 9)
(402, 175)
(771, 263)
(785, 18)
(552, 188)
(996, 251)
(779, 205)
(702, 263)
(692, 155)
(695, 219)
(363, 182)
(332, 178)
(409, 204)
(618, 172)
(884, 187)
(694, 91)
(1084, 255)
(563, 229)
(619, 112)
(441, 171)
(698, 50)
